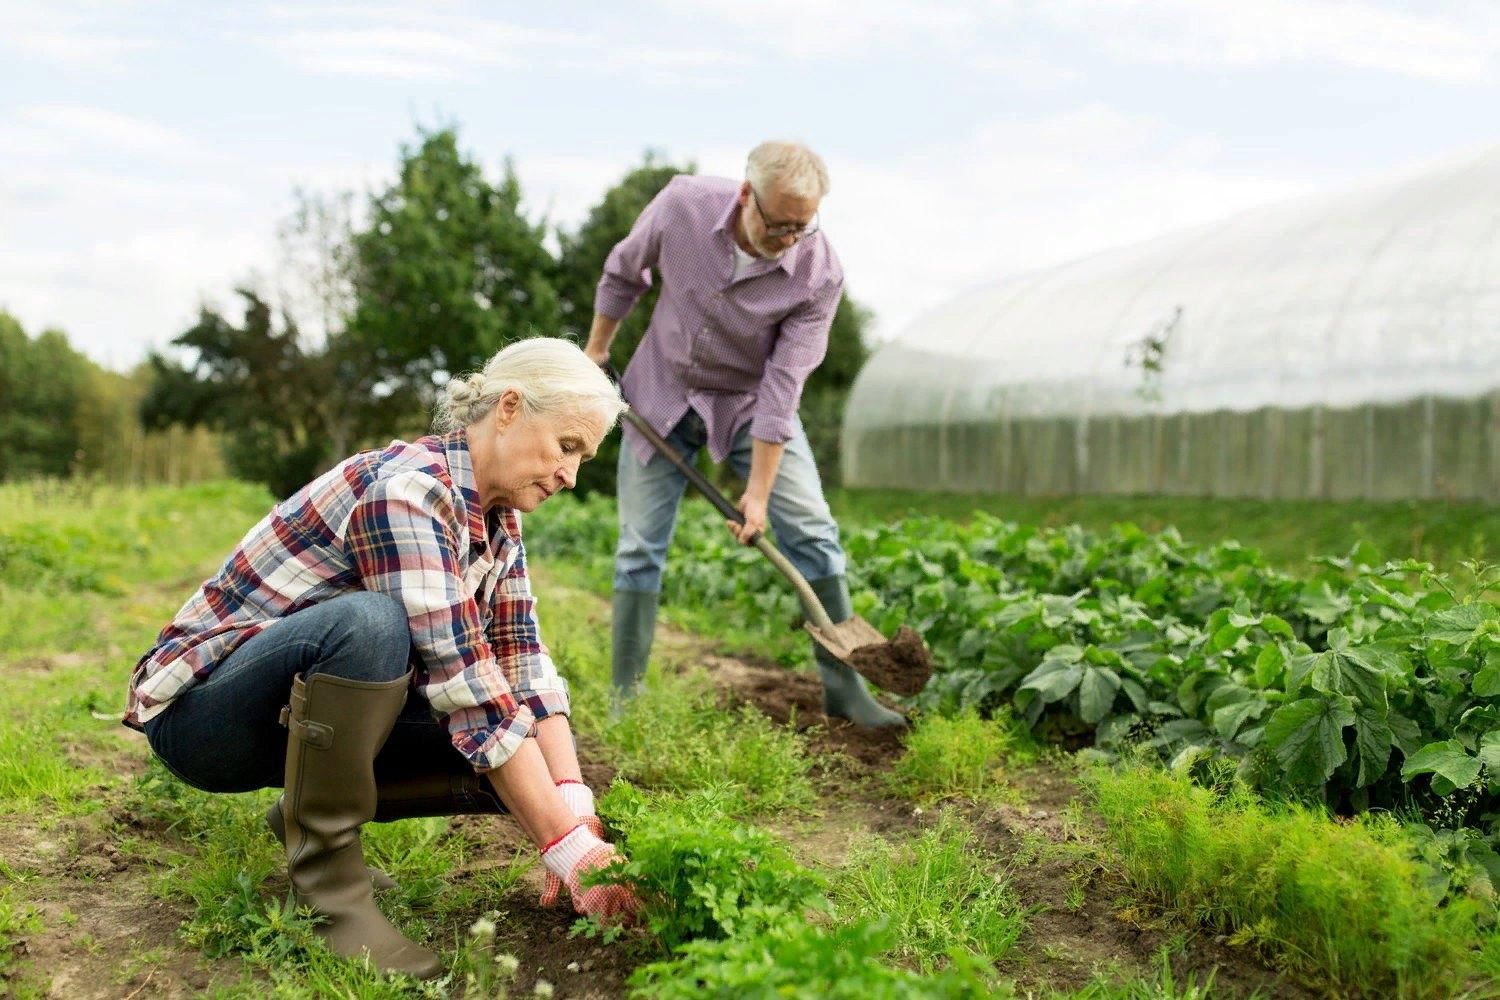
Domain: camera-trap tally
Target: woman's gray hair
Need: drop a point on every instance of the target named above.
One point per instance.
(552, 376)
(786, 166)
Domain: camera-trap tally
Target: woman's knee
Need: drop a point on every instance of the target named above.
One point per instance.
(374, 637)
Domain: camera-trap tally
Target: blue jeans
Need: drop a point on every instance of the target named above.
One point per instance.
(649, 495)
(224, 733)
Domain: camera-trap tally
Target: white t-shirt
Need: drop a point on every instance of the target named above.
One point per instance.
(742, 262)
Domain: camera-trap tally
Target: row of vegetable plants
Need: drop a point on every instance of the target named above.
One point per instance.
(1364, 683)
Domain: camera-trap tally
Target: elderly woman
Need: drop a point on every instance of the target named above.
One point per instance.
(371, 647)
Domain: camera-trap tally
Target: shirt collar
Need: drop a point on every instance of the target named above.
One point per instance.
(461, 471)
(726, 226)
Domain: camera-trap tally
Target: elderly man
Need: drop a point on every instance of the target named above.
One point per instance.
(749, 290)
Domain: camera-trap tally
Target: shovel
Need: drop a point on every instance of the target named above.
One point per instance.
(901, 666)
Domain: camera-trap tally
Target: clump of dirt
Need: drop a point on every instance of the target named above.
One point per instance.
(902, 666)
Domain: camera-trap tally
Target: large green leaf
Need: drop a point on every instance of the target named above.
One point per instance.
(1096, 693)
(1307, 737)
(1228, 720)
(1373, 740)
(1447, 759)
(1053, 681)
(1462, 624)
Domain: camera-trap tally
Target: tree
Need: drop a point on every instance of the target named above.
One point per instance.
(253, 381)
(42, 382)
(447, 271)
(582, 262)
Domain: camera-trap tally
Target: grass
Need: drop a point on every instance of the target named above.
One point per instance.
(939, 893)
(675, 736)
(962, 756)
(1286, 531)
(1342, 903)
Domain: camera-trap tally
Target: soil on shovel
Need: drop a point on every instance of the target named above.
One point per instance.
(902, 666)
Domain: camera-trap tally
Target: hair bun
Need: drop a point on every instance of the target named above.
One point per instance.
(462, 391)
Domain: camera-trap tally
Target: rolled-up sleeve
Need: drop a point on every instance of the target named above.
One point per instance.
(403, 539)
(516, 638)
(627, 270)
(799, 349)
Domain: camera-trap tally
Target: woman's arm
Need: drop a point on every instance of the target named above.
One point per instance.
(525, 785)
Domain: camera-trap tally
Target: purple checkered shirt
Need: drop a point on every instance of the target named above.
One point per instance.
(734, 351)
(404, 521)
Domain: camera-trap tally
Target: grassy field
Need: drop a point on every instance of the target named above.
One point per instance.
(969, 860)
(1287, 532)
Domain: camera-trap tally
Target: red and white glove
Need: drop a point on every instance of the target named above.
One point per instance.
(577, 853)
(579, 798)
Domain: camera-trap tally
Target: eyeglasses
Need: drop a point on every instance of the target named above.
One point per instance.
(782, 229)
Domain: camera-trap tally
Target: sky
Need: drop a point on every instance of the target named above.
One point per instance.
(148, 151)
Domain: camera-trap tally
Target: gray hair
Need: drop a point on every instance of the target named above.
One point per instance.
(787, 166)
(552, 376)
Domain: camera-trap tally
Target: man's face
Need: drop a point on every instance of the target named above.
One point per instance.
(774, 220)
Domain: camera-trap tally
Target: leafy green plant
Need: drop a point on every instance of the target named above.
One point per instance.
(700, 875)
(798, 960)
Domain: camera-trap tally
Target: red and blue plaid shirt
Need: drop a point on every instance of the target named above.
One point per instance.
(404, 521)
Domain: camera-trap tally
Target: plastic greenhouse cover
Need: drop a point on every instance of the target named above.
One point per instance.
(1382, 294)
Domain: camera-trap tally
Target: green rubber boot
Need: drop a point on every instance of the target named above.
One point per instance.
(631, 630)
(845, 694)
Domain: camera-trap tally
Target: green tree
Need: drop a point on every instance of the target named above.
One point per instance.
(42, 382)
(255, 382)
(582, 261)
(447, 271)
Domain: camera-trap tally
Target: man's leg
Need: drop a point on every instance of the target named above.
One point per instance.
(647, 496)
(808, 535)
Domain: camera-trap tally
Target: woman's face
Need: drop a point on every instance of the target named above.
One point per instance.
(536, 456)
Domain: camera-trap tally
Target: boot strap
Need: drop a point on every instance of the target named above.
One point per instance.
(315, 734)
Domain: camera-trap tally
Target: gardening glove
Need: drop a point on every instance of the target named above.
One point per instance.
(579, 798)
(576, 854)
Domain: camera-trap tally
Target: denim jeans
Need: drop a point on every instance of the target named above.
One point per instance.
(649, 495)
(224, 733)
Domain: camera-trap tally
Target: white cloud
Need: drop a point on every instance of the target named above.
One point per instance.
(451, 43)
(72, 34)
(1435, 41)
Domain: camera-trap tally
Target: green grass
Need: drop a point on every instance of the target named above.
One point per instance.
(962, 756)
(1286, 531)
(675, 736)
(940, 893)
(1343, 903)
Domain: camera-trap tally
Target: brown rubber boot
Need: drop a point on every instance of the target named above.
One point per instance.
(336, 727)
(277, 822)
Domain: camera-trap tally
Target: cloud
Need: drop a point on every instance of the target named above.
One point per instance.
(449, 43)
(1435, 41)
(72, 34)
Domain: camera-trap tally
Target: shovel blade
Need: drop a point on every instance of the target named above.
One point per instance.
(902, 666)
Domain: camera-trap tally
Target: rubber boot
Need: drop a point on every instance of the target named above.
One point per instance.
(277, 822)
(632, 628)
(336, 727)
(845, 694)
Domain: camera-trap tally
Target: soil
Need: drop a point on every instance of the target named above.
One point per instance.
(903, 665)
(98, 904)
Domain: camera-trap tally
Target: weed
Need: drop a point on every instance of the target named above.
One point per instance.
(939, 893)
(1342, 902)
(962, 756)
(17, 919)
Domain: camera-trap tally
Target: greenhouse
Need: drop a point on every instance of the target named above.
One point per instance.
(1342, 346)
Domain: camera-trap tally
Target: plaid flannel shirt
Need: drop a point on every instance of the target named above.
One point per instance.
(404, 521)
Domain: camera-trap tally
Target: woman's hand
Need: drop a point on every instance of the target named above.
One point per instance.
(579, 798)
(578, 855)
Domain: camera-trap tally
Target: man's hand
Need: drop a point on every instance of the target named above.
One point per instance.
(599, 355)
(753, 506)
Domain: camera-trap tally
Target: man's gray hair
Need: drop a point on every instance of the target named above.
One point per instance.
(788, 166)
(552, 376)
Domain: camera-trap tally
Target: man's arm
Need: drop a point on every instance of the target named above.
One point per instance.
(601, 335)
(765, 459)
